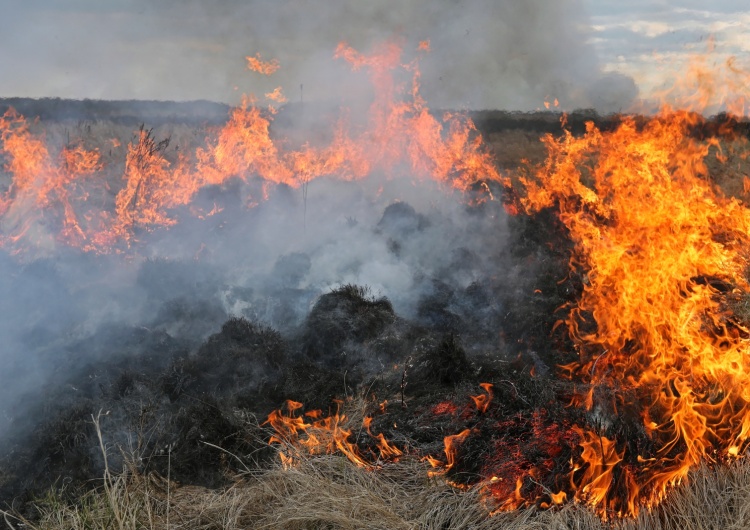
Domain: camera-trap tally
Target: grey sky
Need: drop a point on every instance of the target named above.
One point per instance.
(485, 53)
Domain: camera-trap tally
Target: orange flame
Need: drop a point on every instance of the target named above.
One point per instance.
(323, 435)
(452, 444)
(276, 95)
(387, 450)
(40, 182)
(256, 64)
(401, 138)
(599, 460)
(482, 401)
(662, 251)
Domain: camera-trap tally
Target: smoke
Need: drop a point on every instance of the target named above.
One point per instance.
(412, 242)
(484, 53)
(67, 313)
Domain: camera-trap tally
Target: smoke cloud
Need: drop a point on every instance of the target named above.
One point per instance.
(484, 53)
(63, 313)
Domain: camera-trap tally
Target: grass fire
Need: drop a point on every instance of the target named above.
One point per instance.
(283, 315)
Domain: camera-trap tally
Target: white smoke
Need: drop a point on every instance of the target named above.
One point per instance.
(485, 53)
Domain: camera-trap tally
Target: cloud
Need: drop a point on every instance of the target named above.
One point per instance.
(654, 42)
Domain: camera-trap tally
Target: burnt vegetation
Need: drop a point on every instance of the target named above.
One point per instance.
(196, 413)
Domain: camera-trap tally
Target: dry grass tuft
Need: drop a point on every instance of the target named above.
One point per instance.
(329, 492)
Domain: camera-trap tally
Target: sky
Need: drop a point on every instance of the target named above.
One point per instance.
(484, 53)
(652, 40)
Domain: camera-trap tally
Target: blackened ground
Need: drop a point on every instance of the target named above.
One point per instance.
(169, 401)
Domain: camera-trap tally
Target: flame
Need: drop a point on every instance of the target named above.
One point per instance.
(452, 444)
(320, 434)
(276, 95)
(400, 139)
(662, 252)
(243, 147)
(41, 182)
(708, 88)
(256, 64)
(151, 187)
(482, 401)
(599, 459)
(386, 450)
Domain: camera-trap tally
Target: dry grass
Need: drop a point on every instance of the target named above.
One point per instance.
(331, 493)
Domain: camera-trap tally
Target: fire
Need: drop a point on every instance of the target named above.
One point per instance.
(256, 64)
(386, 450)
(316, 434)
(482, 401)
(243, 147)
(149, 187)
(276, 95)
(662, 252)
(400, 139)
(599, 459)
(708, 88)
(452, 444)
(41, 182)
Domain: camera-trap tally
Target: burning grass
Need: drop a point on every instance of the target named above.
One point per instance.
(494, 430)
(602, 381)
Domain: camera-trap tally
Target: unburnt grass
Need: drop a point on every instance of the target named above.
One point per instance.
(329, 492)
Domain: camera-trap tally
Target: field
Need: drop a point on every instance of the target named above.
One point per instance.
(156, 416)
